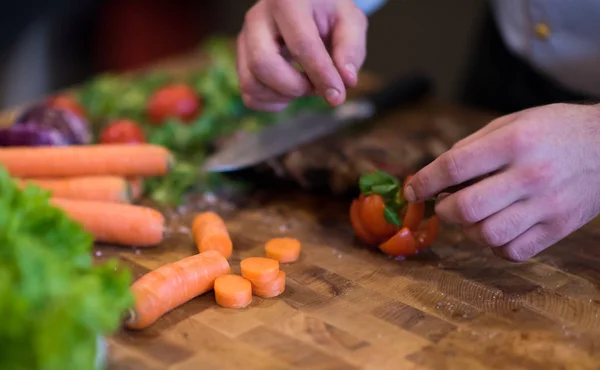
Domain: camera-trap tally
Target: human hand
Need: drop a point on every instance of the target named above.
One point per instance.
(541, 171)
(268, 80)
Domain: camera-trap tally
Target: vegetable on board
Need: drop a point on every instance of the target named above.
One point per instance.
(97, 188)
(210, 233)
(122, 131)
(171, 285)
(56, 302)
(233, 291)
(272, 288)
(259, 270)
(176, 100)
(86, 160)
(284, 250)
(31, 135)
(123, 224)
(381, 216)
(136, 185)
(74, 129)
(66, 102)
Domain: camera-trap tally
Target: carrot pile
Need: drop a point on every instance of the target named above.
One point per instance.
(96, 185)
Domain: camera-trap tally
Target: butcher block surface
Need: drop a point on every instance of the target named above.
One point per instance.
(345, 306)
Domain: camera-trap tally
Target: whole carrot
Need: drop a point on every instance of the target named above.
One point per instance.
(172, 285)
(210, 233)
(115, 223)
(99, 188)
(86, 160)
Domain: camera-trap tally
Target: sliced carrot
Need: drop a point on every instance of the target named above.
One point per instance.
(259, 270)
(124, 224)
(86, 160)
(100, 188)
(233, 291)
(136, 184)
(284, 250)
(272, 288)
(210, 233)
(173, 284)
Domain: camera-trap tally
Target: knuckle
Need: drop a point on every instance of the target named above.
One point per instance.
(493, 235)
(512, 254)
(533, 176)
(521, 139)
(258, 62)
(300, 48)
(466, 208)
(451, 166)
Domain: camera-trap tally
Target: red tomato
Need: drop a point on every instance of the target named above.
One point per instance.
(122, 131)
(373, 219)
(66, 102)
(176, 101)
(401, 244)
(358, 226)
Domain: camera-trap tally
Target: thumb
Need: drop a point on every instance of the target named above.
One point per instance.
(349, 41)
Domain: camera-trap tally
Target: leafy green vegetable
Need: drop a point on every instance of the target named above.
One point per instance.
(391, 216)
(55, 302)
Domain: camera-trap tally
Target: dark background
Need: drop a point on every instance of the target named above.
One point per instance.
(65, 42)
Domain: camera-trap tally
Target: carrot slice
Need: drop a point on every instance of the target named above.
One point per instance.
(210, 233)
(100, 188)
(124, 224)
(86, 160)
(233, 291)
(272, 288)
(284, 250)
(173, 284)
(259, 270)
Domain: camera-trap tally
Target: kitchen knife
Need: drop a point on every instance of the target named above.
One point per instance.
(307, 127)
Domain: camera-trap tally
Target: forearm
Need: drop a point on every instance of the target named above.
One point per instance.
(370, 6)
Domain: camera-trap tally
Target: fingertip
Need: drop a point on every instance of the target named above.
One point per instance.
(334, 97)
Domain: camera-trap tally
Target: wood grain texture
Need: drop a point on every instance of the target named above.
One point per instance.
(456, 306)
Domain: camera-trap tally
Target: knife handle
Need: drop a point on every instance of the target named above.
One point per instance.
(403, 90)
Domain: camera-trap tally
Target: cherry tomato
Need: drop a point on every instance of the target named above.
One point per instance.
(401, 244)
(414, 215)
(372, 217)
(67, 103)
(173, 101)
(427, 232)
(357, 225)
(122, 131)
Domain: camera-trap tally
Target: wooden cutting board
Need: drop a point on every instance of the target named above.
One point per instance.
(347, 307)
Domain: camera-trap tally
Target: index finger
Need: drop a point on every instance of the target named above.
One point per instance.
(301, 35)
(459, 165)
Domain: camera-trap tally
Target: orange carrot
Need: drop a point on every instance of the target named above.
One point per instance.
(136, 184)
(210, 233)
(172, 285)
(99, 188)
(259, 270)
(233, 291)
(272, 288)
(284, 250)
(124, 224)
(86, 160)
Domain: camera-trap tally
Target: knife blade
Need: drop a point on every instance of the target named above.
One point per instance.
(307, 127)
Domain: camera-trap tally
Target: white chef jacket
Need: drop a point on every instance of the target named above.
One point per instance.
(558, 38)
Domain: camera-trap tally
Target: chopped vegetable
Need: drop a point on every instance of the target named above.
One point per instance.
(259, 270)
(272, 288)
(56, 303)
(31, 135)
(122, 131)
(233, 291)
(123, 224)
(172, 285)
(284, 250)
(99, 188)
(173, 101)
(381, 216)
(210, 233)
(86, 160)
(136, 185)
(74, 129)
(68, 103)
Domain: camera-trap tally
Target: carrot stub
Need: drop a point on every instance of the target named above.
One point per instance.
(172, 285)
(123, 224)
(233, 291)
(284, 250)
(272, 288)
(99, 188)
(259, 270)
(210, 233)
(86, 160)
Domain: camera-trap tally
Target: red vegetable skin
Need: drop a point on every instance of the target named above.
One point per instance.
(122, 131)
(401, 244)
(66, 102)
(357, 224)
(372, 216)
(173, 101)
(427, 232)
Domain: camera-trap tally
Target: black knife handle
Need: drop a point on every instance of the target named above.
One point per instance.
(403, 90)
